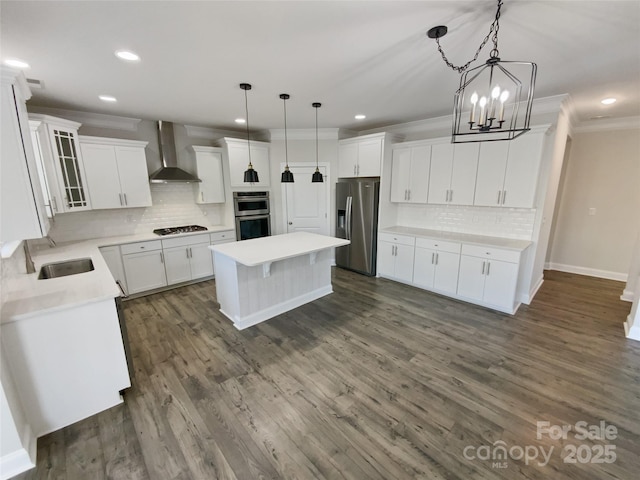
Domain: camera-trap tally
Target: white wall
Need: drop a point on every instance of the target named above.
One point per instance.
(603, 173)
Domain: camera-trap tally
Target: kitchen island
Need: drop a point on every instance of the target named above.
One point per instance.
(260, 278)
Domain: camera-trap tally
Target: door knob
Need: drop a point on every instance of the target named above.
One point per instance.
(290, 223)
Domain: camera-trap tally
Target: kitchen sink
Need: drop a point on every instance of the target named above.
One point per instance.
(63, 269)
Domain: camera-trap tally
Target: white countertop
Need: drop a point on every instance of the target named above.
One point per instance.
(482, 240)
(29, 296)
(258, 251)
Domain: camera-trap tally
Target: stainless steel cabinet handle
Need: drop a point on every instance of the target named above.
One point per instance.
(120, 195)
(437, 258)
(504, 196)
(358, 169)
(409, 194)
(450, 195)
(161, 257)
(202, 196)
(354, 169)
(499, 193)
(488, 267)
(187, 250)
(125, 199)
(432, 257)
(483, 267)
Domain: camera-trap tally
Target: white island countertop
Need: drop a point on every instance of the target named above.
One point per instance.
(259, 251)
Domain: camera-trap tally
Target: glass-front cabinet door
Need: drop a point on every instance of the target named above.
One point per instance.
(71, 171)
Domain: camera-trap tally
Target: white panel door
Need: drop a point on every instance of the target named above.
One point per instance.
(471, 281)
(347, 160)
(101, 172)
(419, 175)
(424, 267)
(177, 264)
(134, 176)
(446, 272)
(521, 177)
(201, 264)
(369, 158)
(305, 203)
(492, 164)
(500, 283)
(404, 262)
(144, 271)
(440, 173)
(463, 174)
(400, 174)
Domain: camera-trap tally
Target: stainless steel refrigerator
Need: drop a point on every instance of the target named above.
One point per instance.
(357, 220)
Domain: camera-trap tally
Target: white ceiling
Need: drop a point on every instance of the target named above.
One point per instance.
(370, 57)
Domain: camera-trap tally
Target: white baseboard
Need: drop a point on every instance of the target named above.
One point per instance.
(527, 298)
(631, 331)
(21, 460)
(627, 295)
(591, 272)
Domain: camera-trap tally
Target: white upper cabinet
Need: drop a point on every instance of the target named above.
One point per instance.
(63, 163)
(453, 173)
(361, 156)
(116, 172)
(508, 172)
(238, 154)
(22, 207)
(209, 170)
(410, 174)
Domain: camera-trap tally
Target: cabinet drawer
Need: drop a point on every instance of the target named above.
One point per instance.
(512, 256)
(141, 247)
(223, 236)
(452, 247)
(186, 240)
(393, 238)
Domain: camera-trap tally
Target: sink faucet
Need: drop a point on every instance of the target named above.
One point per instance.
(31, 268)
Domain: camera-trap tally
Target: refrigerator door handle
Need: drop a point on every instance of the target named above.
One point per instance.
(348, 219)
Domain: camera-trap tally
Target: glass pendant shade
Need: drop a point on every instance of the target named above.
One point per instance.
(250, 175)
(287, 176)
(317, 175)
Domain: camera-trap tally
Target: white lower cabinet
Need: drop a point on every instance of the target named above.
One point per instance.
(187, 258)
(221, 237)
(489, 276)
(435, 265)
(144, 266)
(395, 256)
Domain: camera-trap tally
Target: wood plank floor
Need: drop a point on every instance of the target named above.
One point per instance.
(376, 381)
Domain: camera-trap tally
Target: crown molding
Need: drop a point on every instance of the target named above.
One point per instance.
(88, 119)
(304, 134)
(112, 141)
(608, 124)
(209, 133)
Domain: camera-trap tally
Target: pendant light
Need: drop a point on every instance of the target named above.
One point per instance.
(287, 176)
(317, 175)
(250, 175)
(488, 103)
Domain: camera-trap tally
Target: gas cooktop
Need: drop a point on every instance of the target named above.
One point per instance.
(176, 230)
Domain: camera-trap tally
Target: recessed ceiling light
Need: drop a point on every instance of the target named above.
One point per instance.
(241, 120)
(14, 62)
(128, 56)
(107, 98)
(608, 101)
(360, 117)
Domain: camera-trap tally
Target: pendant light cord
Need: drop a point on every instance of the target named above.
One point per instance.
(316, 138)
(286, 150)
(495, 26)
(246, 109)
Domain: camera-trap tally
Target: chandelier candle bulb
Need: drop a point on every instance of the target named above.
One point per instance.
(503, 98)
(495, 93)
(474, 100)
(483, 103)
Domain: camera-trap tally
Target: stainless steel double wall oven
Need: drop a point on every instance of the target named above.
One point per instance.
(252, 212)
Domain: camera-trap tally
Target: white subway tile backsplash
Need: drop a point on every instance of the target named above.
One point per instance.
(173, 205)
(498, 222)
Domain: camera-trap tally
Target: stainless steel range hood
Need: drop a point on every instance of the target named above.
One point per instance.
(169, 172)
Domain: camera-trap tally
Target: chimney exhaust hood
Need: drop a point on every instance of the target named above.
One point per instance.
(169, 172)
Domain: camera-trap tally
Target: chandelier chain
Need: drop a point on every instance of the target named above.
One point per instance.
(495, 26)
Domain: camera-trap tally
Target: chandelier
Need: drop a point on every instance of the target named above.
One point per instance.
(493, 102)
